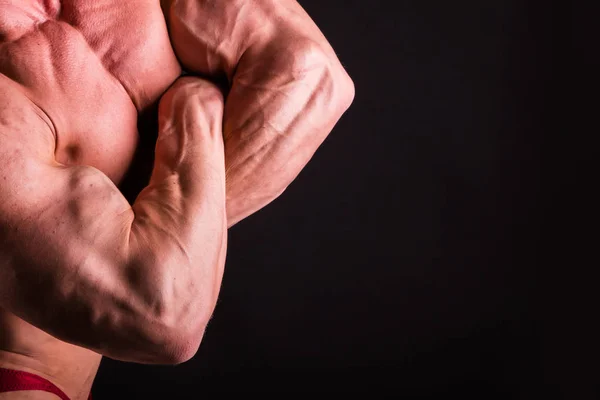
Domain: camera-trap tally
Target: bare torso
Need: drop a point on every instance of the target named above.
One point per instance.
(74, 76)
(88, 68)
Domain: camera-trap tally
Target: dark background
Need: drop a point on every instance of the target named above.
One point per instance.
(403, 259)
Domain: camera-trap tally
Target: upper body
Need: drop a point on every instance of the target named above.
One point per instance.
(85, 273)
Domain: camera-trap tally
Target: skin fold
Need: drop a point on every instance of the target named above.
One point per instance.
(86, 274)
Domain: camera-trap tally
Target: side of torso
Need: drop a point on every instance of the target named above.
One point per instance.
(90, 67)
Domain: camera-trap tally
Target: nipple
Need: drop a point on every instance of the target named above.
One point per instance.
(51, 8)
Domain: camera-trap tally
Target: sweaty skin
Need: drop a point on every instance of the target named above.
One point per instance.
(82, 272)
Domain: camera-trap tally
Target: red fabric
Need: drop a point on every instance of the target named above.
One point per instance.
(11, 381)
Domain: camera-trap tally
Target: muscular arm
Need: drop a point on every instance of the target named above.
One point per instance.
(133, 283)
(288, 88)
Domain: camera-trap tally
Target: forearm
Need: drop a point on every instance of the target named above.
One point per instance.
(274, 123)
(170, 273)
(288, 89)
(180, 217)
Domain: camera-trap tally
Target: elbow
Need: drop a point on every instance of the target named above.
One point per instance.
(319, 68)
(181, 326)
(170, 329)
(147, 340)
(343, 86)
(170, 308)
(176, 334)
(179, 347)
(169, 345)
(347, 90)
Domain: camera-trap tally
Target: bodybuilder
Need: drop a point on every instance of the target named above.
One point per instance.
(84, 273)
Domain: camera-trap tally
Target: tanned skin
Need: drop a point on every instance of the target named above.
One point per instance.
(85, 274)
(288, 88)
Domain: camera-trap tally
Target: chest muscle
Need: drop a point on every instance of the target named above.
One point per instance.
(91, 66)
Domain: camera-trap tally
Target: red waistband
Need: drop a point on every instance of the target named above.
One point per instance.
(11, 381)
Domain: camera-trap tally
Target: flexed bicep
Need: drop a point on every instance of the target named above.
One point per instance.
(288, 89)
(136, 283)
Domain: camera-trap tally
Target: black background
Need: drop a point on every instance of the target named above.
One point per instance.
(403, 258)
